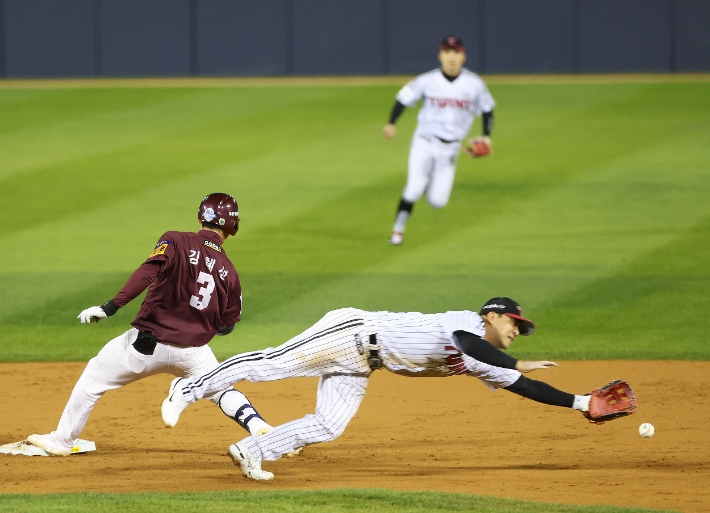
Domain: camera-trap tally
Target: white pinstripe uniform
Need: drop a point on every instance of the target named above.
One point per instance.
(444, 120)
(336, 349)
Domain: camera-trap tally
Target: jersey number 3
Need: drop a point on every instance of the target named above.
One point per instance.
(205, 292)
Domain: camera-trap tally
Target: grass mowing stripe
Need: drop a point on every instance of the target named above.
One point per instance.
(589, 185)
(339, 500)
(145, 153)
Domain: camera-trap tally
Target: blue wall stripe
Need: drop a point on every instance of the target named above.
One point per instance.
(3, 40)
(598, 42)
(98, 68)
(194, 39)
(673, 64)
(385, 36)
(290, 37)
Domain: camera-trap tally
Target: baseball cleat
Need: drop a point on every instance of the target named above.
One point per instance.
(291, 454)
(396, 239)
(247, 462)
(45, 443)
(173, 405)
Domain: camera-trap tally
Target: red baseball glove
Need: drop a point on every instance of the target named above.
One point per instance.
(478, 147)
(613, 400)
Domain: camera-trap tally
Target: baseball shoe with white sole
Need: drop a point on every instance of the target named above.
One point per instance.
(291, 454)
(173, 405)
(396, 239)
(247, 462)
(45, 443)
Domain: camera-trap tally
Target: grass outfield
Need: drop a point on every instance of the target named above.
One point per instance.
(385, 501)
(593, 213)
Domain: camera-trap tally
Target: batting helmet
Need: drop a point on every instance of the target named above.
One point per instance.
(220, 209)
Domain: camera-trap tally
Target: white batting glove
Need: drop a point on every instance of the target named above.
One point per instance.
(93, 314)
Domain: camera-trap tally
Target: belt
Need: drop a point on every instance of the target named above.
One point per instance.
(374, 360)
(445, 141)
(145, 343)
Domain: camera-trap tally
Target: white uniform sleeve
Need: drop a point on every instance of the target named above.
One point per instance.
(411, 93)
(464, 320)
(493, 377)
(485, 100)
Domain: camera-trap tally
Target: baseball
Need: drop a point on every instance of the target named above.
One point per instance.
(646, 430)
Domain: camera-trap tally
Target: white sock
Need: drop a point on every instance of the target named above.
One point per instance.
(256, 424)
(401, 221)
(581, 402)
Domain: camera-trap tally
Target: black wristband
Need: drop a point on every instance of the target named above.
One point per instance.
(109, 307)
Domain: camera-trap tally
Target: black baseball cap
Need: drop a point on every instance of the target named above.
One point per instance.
(506, 306)
(452, 42)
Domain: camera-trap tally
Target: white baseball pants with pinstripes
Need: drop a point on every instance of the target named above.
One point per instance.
(335, 348)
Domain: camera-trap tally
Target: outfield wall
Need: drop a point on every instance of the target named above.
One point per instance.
(78, 38)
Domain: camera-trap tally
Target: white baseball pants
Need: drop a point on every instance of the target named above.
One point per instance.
(432, 168)
(119, 364)
(335, 348)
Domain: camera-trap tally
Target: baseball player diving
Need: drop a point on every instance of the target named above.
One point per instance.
(347, 345)
(452, 96)
(194, 294)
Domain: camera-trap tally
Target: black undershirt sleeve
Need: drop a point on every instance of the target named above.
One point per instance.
(483, 351)
(541, 392)
(487, 123)
(397, 110)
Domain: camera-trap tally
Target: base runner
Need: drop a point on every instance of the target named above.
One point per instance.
(347, 345)
(194, 295)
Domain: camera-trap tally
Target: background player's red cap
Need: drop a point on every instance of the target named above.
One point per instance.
(506, 306)
(452, 42)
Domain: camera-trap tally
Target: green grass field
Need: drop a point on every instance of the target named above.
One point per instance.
(593, 212)
(328, 501)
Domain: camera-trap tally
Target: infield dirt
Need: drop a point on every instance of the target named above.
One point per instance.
(439, 434)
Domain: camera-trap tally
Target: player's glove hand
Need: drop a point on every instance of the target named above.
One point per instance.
(613, 400)
(478, 146)
(93, 314)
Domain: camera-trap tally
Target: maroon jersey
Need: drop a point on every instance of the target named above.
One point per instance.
(194, 292)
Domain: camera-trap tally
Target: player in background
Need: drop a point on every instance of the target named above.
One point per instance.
(194, 295)
(347, 345)
(452, 96)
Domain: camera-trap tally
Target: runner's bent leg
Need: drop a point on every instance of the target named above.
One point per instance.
(116, 365)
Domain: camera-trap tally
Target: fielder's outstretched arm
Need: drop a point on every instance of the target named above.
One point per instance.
(541, 392)
(483, 351)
